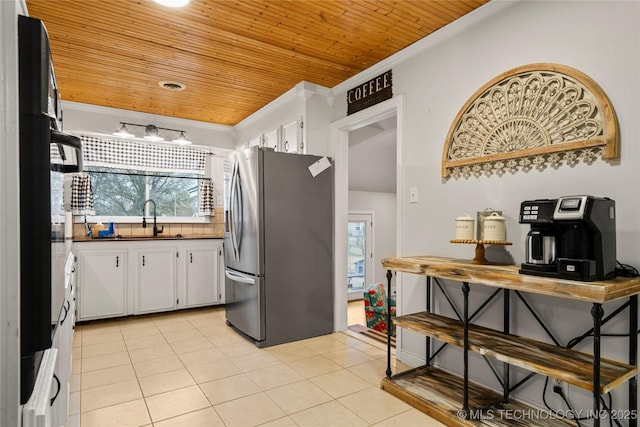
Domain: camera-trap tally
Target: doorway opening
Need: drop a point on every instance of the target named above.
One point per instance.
(359, 254)
(354, 142)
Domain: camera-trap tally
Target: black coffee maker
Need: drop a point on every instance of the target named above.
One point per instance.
(572, 237)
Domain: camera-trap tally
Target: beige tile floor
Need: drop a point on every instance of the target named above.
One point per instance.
(189, 369)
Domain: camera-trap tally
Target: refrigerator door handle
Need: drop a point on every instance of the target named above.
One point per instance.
(237, 227)
(240, 277)
(232, 212)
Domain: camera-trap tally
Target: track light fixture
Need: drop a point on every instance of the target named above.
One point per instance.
(152, 133)
(182, 139)
(123, 132)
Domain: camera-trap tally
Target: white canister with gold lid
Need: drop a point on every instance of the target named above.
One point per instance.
(464, 227)
(494, 228)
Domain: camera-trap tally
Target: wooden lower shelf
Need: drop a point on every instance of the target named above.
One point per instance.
(570, 366)
(440, 395)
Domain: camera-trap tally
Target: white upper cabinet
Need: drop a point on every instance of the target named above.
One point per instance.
(255, 141)
(292, 137)
(272, 139)
(301, 118)
(287, 138)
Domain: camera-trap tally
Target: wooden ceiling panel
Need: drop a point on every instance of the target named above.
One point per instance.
(235, 56)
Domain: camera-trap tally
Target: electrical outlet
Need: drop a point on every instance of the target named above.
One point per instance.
(564, 387)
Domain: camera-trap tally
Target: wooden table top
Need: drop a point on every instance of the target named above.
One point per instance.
(507, 276)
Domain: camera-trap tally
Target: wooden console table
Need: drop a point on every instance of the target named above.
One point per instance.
(454, 400)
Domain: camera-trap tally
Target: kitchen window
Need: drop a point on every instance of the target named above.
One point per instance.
(122, 193)
(124, 174)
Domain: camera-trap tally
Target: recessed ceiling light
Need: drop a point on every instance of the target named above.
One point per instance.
(172, 3)
(172, 85)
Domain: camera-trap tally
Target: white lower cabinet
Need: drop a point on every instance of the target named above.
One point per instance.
(102, 283)
(48, 405)
(156, 280)
(38, 411)
(202, 272)
(119, 278)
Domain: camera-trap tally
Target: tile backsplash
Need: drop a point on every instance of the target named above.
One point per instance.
(214, 228)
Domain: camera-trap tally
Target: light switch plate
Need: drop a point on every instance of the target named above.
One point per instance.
(413, 194)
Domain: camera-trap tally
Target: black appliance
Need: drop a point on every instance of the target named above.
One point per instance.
(573, 237)
(45, 153)
(540, 244)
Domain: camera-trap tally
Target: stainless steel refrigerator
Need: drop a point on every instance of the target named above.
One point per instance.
(278, 245)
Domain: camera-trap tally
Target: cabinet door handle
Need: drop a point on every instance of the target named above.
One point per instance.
(191, 257)
(143, 260)
(53, 399)
(117, 261)
(66, 312)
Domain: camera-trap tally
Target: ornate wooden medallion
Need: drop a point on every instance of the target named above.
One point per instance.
(532, 116)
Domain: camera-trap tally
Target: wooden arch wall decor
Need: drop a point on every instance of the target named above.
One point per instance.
(537, 115)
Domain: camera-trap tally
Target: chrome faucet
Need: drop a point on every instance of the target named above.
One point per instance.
(144, 220)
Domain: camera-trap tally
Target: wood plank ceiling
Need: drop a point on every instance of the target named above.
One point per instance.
(234, 56)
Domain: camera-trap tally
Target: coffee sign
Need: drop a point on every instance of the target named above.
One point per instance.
(370, 93)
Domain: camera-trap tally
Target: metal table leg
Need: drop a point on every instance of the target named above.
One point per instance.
(596, 313)
(465, 402)
(389, 276)
(506, 318)
(428, 338)
(633, 359)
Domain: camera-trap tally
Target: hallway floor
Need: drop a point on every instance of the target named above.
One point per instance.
(190, 369)
(355, 313)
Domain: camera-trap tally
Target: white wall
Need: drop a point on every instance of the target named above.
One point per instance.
(384, 233)
(599, 38)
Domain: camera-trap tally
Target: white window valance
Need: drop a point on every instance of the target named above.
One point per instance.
(142, 156)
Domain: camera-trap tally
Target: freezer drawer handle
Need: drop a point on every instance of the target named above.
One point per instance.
(239, 278)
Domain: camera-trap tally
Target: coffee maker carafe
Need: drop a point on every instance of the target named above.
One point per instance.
(573, 237)
(541, 241)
